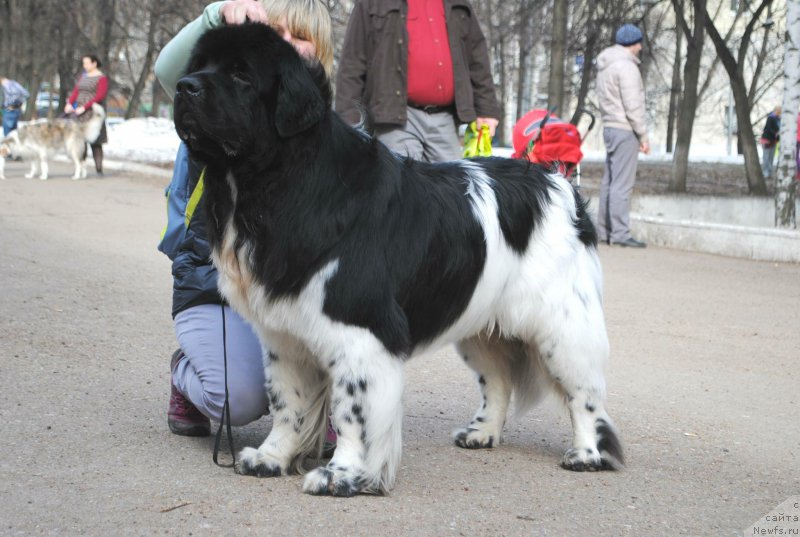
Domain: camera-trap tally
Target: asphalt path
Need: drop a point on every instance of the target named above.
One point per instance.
(703, 384)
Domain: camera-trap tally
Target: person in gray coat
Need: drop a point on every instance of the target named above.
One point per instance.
(620, 93)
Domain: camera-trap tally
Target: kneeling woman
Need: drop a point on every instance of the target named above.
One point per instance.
(198, 367)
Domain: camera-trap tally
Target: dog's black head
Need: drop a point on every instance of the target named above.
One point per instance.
(246, 89)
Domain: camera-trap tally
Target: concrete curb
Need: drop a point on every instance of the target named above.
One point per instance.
(757, 243)
(123, 166)
(138, 167)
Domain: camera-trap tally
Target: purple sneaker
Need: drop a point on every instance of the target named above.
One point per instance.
(183, 417)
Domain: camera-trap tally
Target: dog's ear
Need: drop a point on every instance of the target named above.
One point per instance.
(300, 104)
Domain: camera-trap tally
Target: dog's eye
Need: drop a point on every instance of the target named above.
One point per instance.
(240, 77)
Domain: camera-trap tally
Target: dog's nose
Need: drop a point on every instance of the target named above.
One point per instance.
(189, 85)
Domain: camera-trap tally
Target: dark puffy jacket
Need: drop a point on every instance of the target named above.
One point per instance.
(373, 69)
(772, 129)
(194, 276)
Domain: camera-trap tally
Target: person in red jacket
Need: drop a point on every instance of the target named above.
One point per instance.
(419, 68)
(91, 88)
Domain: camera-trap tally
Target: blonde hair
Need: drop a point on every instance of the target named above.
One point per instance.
(307, 19)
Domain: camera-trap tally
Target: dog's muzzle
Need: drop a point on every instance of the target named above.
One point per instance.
(190, 86)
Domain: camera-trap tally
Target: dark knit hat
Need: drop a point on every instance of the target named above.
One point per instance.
(628, 34)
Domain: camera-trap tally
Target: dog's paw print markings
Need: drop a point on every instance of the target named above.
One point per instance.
(253, 462)
(332, 481)
(472, 438)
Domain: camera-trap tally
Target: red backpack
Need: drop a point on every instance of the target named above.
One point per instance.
(556, 146)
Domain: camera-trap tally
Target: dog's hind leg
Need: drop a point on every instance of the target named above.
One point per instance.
(367, 413)
(298, 393)
(491, 359)
(572, 342)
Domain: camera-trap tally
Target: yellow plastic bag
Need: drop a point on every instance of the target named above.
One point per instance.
(477, 143)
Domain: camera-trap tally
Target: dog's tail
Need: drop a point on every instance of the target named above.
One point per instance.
(530, 380)
(314, 425)
(93, 127)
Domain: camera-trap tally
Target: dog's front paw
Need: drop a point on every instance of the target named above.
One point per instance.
(331, 481)
(253, 462)
(472, 438)
(43, 178)
(584, 460)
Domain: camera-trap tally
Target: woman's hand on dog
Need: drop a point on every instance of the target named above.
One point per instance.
(240, 11)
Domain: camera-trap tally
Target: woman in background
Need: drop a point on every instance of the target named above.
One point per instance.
(198, 311)
(91, 88)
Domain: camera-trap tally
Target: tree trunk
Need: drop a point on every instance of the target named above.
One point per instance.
(555, 83)
(734, 68)
(133, 104)
(762, 55)
(500, 132)
(675, 90)
(589, 53)
(786, 188)
(109, 8)
(527, 43)
(691, 80)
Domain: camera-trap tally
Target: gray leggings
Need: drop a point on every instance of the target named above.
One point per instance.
(200, 376)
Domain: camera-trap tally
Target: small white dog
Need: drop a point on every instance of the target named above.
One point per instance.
(38, 140)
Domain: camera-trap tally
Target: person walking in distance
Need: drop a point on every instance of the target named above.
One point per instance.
(620, 93)
(14, 96)
(420, 68)
(769, 141)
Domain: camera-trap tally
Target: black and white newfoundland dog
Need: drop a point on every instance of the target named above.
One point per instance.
(349, 259)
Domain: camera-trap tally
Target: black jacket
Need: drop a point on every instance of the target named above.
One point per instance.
(772, 129)
(194, 276)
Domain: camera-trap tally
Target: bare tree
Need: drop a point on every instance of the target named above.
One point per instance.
(675, 88)
(528, 13)
(735, 69)
(592, 31)
(786, 191)
(691, 74)
(152, 16)
(558, 46)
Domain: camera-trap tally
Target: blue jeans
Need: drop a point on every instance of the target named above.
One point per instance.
(767, 159)
(10, 119)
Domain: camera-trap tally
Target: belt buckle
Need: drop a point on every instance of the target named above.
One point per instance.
(433, 109)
